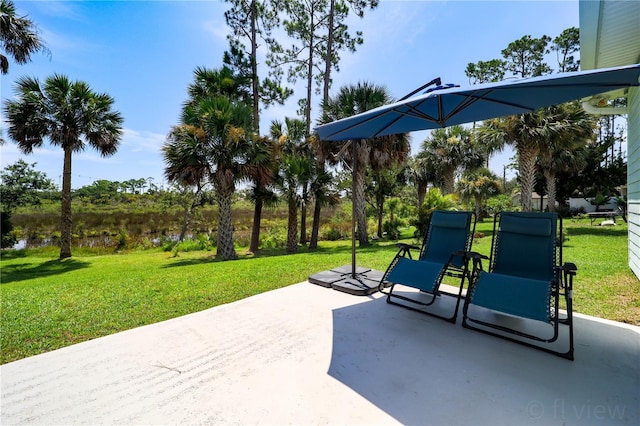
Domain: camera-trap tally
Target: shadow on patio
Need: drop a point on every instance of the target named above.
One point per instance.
(421, 370)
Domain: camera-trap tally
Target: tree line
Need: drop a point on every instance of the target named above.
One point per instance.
(218, 144)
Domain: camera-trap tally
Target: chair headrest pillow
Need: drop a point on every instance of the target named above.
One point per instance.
(539, 227)
(449, 220)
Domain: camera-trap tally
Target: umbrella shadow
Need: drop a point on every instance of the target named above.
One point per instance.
(422, 370)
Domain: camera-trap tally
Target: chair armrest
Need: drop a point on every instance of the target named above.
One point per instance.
(406, 246)
(569, 268)
(475, 255)
(476, 259)
(468, 255)
(405, 249)
(568, 271)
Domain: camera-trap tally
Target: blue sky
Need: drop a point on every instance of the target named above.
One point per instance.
(143, 54)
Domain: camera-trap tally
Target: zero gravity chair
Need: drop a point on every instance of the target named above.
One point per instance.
(518, 298)
(415, 284)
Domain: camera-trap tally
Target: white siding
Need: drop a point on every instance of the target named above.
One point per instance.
(633, 178)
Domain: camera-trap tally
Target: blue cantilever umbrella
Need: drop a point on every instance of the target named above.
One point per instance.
(448, 105)
(457, 105)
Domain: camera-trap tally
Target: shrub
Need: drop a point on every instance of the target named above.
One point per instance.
(434, 200)
(333, 234)
(578, 211)
(199, 243)
(499, 203)
(8, 236)
(275, 238)
(146, 244)
(391, 228)
(122, 239)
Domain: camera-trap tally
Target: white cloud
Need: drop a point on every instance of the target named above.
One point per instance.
(61, 45)
(142, 141)
(61, 9)
(89, 155)
(218, 29)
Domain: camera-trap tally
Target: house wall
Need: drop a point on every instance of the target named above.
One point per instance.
(633, 178)
(576, 203)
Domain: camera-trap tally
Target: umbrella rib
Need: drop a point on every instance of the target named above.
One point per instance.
(356, 124)
(412, 112)
(472, 98)
(415, 112)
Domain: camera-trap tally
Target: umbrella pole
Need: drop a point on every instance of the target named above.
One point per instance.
(354, 167)
(366, 281)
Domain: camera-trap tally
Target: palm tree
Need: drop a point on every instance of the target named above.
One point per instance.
(572, 128)
(324, 195)
(294, 170)
(384, 183)
(186, 166)
(71, 116)
(479, 185)
(226, 125)
(533, 136)
(524, 132)
(214, 141)
(321, 191)
(261, 164)
(355, 99)
(452, 148)
(291, 138)
(18, 36)
(217, 82)
(388, 156)
(422, 172)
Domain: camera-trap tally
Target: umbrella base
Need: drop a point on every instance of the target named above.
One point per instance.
(364, 282)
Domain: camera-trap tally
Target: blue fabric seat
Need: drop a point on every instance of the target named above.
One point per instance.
(525, 279)
(443, 253)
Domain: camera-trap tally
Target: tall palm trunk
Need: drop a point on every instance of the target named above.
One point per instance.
(303, 213)
(527, 154)
(254, 69)
(292, 226)
(317, 203)
(550, 183)
(310, 66)
(448, 181)
(380, 217)
(422, 192)
(478, 198)
(317, 207)
(329, 55)
(65, 213)
(254, 245)
(185, 222)
(225, 188)
(255, 230)
(362, 154)
(315, 228)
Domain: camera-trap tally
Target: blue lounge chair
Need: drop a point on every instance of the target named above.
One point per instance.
(443, 253)
(523, 284)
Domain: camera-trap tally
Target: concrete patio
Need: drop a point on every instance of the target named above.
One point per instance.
(306, 354)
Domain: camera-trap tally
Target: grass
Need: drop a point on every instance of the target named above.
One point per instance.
(47, 304)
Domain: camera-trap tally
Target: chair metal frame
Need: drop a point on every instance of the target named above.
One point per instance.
(561, 286)
(456, 266)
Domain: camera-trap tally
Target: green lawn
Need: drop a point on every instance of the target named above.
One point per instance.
(47, 304)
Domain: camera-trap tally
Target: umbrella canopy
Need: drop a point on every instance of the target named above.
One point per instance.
(457, 105)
